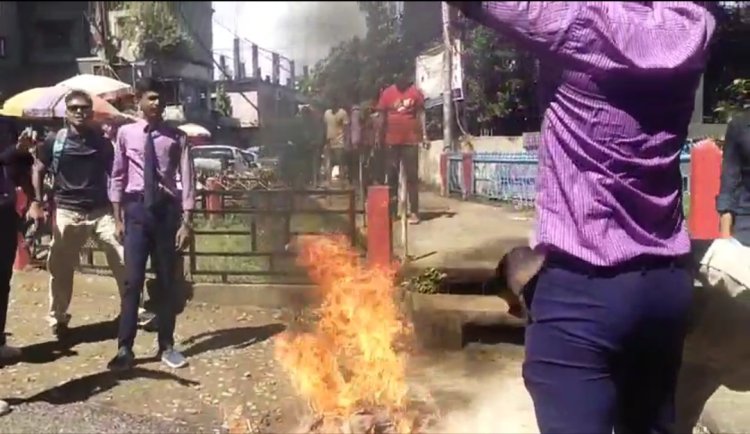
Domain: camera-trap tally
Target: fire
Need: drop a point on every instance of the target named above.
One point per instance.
(349, 361)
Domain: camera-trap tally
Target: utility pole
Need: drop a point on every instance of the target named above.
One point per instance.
(447, 78)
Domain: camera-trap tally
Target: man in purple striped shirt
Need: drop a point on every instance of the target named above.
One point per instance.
(153, 218)
(610, 305)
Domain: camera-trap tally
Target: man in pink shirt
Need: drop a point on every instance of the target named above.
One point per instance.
(152, 217)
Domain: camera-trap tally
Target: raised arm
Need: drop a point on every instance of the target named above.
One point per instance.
(539, 26)
(187, 176)
(596, 37)
(726, 202)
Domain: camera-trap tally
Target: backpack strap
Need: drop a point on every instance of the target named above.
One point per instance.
(57, 149)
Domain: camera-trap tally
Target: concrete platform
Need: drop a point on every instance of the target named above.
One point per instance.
(459, 235)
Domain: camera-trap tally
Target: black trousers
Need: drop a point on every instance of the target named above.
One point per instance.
(409, 155)
(150, 233)
(8, 243)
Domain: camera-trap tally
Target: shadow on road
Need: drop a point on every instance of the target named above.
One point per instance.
(50, 351)
(237, 338)
(81, 389)
(426, 216)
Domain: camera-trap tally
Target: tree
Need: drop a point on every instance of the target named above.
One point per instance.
(155, 27)
(497, 79)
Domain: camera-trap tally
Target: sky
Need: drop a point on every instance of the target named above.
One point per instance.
(302, 31)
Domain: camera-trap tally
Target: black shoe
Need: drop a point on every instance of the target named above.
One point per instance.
(148, 322)
(123, 361)
(61, 331)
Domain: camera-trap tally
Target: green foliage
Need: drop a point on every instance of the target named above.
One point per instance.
(737, 99)
(223, 103)
(496, 77)
(155, 26)
(429, 282)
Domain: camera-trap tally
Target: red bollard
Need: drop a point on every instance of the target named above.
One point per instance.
(23, 256)
(213, 199)
(705, 180)
(379, 227)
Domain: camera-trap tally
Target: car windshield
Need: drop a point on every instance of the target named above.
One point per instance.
(212, 153)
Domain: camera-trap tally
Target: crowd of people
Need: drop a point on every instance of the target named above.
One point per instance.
(119, 187)
(369, 143)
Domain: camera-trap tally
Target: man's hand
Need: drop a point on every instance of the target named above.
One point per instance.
(119, 231)
(183, 237)
(36, 212)
(426, 143)
(25, 140)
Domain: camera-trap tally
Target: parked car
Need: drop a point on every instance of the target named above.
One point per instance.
(222, 157)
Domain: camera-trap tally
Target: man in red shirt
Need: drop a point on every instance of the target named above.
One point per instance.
(402, 107)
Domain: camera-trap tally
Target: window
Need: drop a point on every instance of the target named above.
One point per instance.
(249, 157)
(55, 34)
(2, 47)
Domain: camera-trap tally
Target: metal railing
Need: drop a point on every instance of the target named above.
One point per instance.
(511, 177)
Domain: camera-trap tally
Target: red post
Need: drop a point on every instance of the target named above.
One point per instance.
(705, 175)
(443, 174)
(379, 227)
(23, 256)
(467, 175)
(213, 199)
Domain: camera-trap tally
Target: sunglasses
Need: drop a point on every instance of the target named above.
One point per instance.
(76, 108)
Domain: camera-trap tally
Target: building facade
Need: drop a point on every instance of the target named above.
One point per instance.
(42, 43)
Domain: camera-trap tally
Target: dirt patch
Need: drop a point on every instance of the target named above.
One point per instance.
(229, 349)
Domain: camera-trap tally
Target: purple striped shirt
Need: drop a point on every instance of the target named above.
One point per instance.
(171, 153)
(618, 82)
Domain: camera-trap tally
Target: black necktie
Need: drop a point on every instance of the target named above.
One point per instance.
(150, 171)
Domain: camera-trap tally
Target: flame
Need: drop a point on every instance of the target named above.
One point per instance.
(349, 361)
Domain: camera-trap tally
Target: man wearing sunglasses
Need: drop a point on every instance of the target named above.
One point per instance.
(79, 158)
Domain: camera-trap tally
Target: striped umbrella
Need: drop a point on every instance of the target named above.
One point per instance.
(99, 85)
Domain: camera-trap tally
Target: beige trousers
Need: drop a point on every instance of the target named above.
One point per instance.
(72, 230)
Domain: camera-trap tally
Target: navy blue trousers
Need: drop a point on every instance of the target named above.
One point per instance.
(604, 345)
(150, 233)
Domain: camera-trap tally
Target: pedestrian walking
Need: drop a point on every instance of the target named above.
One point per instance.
(610, 305)
(337, 139)
(15, 171)
(402, 109)
(153, 217)
(79, 158)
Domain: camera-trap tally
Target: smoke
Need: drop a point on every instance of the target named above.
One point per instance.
(309, 29)
(500, 406)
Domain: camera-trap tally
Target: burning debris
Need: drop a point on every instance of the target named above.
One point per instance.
(349, 365)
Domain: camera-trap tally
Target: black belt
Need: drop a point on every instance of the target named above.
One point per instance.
(140, 197)
(641, 263)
